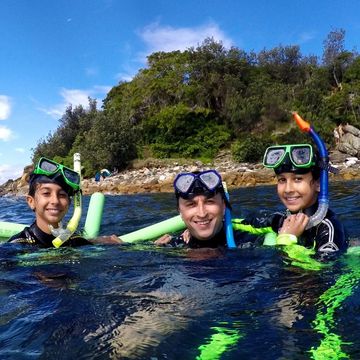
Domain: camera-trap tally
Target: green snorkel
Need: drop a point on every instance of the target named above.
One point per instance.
(63, 234)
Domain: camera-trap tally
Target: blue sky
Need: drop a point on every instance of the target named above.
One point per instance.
(56, 53)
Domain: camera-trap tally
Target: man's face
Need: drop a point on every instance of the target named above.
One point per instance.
(202, 215)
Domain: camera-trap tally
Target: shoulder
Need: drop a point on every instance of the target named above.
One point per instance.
(77, 240)
(331, 234)
(26, 236)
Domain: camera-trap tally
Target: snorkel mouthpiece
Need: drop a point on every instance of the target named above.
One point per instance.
(324, 175)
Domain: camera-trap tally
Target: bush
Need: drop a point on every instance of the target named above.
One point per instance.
(251, 149)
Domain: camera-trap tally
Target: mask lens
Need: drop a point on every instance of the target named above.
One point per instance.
(48, 166)
(210, 179)
(184, 182)
(301, 155)
(72, 176)
(273, 156)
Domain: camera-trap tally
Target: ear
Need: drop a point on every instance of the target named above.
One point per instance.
(318, 185)
(31, 202)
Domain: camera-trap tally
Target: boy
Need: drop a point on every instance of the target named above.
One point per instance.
(51, 186)
(297, 171)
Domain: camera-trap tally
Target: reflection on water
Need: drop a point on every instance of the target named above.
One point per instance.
(142, 302)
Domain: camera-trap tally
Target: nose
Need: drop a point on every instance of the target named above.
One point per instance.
(54, 199)
(288, 186)
(201, 209)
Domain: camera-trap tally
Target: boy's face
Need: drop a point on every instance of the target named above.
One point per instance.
(203, 215)
(50, 204)
(297, 191)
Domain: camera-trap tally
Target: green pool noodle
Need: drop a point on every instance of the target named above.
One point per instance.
(8, 229)
(171, 225)
(94, 216)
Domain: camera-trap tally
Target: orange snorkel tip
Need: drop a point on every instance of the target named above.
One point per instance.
(302, 124)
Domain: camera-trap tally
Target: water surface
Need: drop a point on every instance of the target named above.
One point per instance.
(143, 302)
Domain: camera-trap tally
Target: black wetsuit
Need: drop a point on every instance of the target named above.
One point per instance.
(33, 235)
(242, 239)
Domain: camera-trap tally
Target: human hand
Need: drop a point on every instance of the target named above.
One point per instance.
(163, 240)
(186, 236)
(112, 239)
(294, 224)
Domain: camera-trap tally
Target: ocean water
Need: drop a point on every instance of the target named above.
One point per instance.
(143, 302)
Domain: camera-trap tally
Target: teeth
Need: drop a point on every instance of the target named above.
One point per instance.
(203, 222)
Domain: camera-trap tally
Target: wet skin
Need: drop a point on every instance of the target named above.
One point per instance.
(203, 216)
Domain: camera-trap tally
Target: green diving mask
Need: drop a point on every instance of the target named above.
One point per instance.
(300, 156)
(49, 167)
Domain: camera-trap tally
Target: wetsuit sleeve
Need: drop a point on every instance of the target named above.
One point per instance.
(253, 230)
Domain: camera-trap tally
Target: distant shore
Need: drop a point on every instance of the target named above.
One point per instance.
(158, 177)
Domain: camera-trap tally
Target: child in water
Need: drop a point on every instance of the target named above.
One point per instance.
(51, 187)
(298, 170)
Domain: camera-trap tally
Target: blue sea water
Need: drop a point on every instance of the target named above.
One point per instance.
(143, 302)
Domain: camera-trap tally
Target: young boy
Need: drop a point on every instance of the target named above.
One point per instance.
(51, 187)
(298, 171)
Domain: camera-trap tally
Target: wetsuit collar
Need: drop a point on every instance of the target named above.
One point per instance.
(218, 240)
(41, 236)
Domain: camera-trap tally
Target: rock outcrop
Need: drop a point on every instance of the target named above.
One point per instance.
(157, 177)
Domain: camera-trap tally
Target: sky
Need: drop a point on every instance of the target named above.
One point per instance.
(58, 53)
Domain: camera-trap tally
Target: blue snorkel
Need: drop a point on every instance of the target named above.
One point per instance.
(323, 198)
(227, 221)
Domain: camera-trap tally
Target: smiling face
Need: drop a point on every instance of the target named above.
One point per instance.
(202, 215)
(297, 191)
(50, 204)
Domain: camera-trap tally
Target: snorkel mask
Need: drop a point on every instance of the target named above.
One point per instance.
(50, 171)
(208, 183)
(298, 158)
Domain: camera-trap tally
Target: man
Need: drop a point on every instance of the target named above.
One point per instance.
(202, 202)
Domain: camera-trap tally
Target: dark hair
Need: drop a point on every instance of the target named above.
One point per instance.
(288, 166)
(56, 178)
(199, 189)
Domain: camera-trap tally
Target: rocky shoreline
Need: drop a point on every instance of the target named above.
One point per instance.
(158, 177)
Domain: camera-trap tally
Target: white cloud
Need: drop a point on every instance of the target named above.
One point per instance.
(5, 133)
(125, 76)
(305, 37)
(5, 107)
(76, 97)
(9, 172)
(167, 38)
(20, 150)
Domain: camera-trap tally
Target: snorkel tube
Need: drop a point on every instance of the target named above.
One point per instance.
(323, 198)
(227, 221)
(62, 234)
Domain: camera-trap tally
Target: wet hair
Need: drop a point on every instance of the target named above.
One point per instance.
(288, 166)
(57, 178)
(199, 189)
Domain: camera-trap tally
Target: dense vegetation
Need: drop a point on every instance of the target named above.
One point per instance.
(193, 103)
